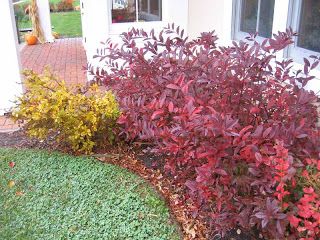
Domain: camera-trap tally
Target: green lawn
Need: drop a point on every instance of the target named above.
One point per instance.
(67, 24)
(56, 196)
(76, 2)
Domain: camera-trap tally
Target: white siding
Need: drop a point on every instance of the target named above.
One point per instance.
(208, 15)
(9, 61)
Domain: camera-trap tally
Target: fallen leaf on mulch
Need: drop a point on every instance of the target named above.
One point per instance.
(191, 230)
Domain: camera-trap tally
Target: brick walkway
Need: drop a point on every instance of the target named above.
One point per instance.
(7, 125)
(65, 57)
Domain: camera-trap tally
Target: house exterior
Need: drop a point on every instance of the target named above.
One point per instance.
(231, 19)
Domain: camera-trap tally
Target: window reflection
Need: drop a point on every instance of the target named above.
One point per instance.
(266, 18)
(257, 16)
(149, 10)
(123, 11)
(309, 28)
(126, 10)
(249, 16)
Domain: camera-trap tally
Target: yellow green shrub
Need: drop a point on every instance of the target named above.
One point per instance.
(79, 119)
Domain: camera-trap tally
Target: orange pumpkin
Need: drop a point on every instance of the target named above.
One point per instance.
(31, 39)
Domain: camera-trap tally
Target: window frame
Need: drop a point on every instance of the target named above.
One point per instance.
(237, 33)
(294, 51)
(149, 10)
(117, 28)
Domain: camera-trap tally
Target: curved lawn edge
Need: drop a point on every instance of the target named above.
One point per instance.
(53, 196)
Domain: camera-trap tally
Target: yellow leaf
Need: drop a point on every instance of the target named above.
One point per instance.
(11, 184)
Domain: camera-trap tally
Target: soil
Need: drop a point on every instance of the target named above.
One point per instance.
(19, 139)
(149, 167)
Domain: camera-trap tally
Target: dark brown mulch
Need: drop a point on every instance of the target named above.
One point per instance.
(19, 139)
(149, 167)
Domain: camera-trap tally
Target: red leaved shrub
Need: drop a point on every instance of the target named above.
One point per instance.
(64, 6)
(236, 125)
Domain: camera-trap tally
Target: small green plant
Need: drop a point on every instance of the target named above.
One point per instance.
(79, 119)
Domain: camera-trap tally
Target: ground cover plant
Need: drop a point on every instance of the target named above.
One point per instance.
(235, 125)
(80, 118)
(55, 196)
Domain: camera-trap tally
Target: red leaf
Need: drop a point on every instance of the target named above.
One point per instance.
(254, 110)
(156, 114)
(12, 164)
(266, 132)
(185, 89)
(221, 172)
(303, 135)
(170, 107)
(173, 86)
(243, 130)
(294, 221)
(306, 62)
(308, 190)
(257, 133)
(305, 213)
(179, 80)
(162, 99)
(258, 157)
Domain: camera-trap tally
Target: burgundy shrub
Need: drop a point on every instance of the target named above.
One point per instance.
(236, 125)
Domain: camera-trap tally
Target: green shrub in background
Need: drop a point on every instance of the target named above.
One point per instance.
(50, 108)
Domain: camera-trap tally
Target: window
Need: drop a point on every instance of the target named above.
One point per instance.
(136, 11)
(306, 21)
(254, 16)
(303, 16)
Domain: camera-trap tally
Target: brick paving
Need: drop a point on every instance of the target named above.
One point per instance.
(7, 125)
(65, 57)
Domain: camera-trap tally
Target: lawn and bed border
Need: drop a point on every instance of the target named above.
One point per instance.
(69, 161)
(127, 158)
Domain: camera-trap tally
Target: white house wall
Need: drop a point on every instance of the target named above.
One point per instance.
(195, 16)
(208, 15)
(96, 16)
(10, 79)
(95, 23)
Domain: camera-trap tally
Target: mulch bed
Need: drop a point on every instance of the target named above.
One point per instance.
(147, 166)
(19, 139)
